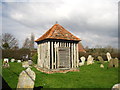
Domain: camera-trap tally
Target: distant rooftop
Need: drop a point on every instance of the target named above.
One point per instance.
(58, 32)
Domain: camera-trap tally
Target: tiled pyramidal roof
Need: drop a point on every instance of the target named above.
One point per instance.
(58, 32)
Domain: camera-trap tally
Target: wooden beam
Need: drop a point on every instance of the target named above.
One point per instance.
(72, 53)
(38, 51)
(74, 56)
(55, 54)
(52, 54)
(48, 54)
(77, 56)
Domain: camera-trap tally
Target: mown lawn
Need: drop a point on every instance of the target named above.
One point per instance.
(89, 76)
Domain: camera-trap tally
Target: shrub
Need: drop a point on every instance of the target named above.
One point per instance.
(34, 58)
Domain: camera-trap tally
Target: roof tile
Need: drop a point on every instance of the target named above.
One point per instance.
(58, 32)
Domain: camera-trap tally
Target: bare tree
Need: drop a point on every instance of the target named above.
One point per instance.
(32, 41)
(9, 41)
(26, 43)
(29, 43)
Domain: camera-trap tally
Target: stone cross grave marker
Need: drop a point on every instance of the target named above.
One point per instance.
(26, 79)
(108, 56)
(90, 60)
(101, 59)
(83, 61)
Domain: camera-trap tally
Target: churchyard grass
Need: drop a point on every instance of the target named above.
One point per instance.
(89, 76)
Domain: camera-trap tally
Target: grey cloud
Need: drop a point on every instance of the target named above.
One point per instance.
(90, 22)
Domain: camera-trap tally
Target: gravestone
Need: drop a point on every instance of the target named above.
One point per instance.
(83, 61)
(108, 56)
(116, 62)
(101, 59)
(12, 60)
(116, 87)
(30, 62)
(6, 63)
(113, 62)
(6, 60)
(90, 60)
(25, 64)
(19, 61)
(102, 66)
(26, 79)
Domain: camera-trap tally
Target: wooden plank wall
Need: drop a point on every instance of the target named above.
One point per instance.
(48, 51)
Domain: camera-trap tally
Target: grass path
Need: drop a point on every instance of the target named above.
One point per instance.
(91, 76)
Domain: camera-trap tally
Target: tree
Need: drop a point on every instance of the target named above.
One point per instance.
(26, 43)
(32, 41)
(29, 43)
(9, 41)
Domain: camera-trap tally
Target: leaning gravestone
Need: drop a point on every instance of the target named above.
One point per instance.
(116, 87)
(12, 60)
(101, 59)
(90, 60)
(108, 56)
(83, 61)
(26, 79)
(111, 63)
(116, 62)
(25, 64)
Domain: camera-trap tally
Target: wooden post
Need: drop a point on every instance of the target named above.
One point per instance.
(55, 55)
(48, 54)
(74, 56)
(38, 51)
(52, 54)
(59, 43)
(77, 56)
(72, 53)
(41, 54)
(65, 44)
(69, 44)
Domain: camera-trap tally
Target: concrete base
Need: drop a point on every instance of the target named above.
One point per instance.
(60, 70)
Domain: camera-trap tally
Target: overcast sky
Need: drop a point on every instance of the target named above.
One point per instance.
(95, 22)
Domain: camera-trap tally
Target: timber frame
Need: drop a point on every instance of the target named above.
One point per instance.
(49, 56)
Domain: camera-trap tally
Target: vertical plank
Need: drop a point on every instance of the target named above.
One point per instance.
(48, 54)
(72, 53)
(41, 54)
(59, 44)
(52, 53)
(38, 51)
(55, 54)
(74, 56)
(77, 56)
(65, 44)
(69, 45)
